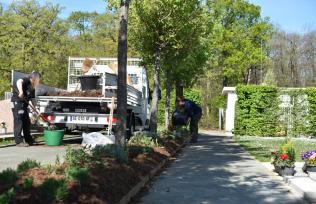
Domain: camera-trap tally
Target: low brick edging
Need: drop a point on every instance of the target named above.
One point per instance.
(139, 186)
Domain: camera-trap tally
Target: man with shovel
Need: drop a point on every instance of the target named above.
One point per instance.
(23, 92)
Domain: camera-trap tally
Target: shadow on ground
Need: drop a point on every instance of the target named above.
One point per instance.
(216, 170)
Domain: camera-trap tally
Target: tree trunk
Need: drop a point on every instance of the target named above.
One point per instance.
(121, 80)
(179, 88)
(154, 105)
(168, 93)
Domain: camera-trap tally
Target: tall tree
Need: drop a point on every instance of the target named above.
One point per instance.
(34, 38)
(122, 72)
(162, 31)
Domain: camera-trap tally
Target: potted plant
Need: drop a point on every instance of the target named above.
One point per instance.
(284, 159)
(309, 158)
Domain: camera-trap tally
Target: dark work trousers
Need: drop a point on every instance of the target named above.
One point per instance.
(194, 126)
(21, 122)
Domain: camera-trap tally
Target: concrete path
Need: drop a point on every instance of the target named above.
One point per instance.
(11, 156)
(216, 170)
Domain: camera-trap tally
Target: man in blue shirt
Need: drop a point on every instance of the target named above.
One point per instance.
(193, 112)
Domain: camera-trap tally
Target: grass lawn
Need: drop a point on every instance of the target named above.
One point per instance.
(261, 147)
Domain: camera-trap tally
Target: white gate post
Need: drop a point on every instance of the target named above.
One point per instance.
(230, 108)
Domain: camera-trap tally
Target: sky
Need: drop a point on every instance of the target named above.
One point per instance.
(291, 15)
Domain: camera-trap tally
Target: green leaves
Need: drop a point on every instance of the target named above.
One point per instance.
(256, 110)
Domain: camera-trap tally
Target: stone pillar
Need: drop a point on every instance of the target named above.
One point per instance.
(230, 108)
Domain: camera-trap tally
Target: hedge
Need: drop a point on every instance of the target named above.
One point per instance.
(256, 110)
(261, 111)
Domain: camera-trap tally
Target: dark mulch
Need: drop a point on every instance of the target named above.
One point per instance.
(108, 183)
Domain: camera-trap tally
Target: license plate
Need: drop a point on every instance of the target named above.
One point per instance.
(81, 119)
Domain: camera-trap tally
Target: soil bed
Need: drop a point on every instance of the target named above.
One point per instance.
(108, 183)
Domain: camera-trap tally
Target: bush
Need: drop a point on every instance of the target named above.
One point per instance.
(110, 150)
(28, 182)
(26, 165)
(311, 97)
(53, 190)
(7, 197)
(8, 177)
(77, 157)
(104, 151)
(256, 110)
(143, 140)
(81, 175)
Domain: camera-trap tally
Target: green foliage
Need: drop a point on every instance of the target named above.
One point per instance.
(311, 97)
(238, 38)
(285, 156)
(7, 197)
(143, 140)
(81, 175)
(77, 157)
(8, 177)
(26, 165)
(104, 151)
(256, 110)
(28, 182)
(53, 190)
(293, 113)
(194, 95)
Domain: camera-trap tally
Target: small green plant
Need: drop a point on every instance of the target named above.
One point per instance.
(7, 197)
(53, 190)
(143, 140)
(28, 182)
(26, 165)
(77, 157)
(104, 151)
(8, 177)
(81, 175)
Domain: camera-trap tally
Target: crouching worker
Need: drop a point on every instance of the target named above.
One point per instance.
(23, 92)
(194, 114)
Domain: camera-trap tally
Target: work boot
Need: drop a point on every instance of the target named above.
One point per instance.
(22, 144)
(31, 143)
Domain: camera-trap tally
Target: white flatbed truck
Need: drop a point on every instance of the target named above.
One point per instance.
(81, 113)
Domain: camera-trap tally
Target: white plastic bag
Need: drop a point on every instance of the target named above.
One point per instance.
(93, 139)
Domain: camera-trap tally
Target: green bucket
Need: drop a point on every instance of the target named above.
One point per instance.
(53, 137)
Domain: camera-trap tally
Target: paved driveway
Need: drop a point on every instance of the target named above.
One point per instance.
(216, 170)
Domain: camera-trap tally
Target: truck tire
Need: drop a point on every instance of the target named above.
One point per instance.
(130, 126)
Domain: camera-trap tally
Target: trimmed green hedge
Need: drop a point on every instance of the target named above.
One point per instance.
(311, 97)
(256, 113)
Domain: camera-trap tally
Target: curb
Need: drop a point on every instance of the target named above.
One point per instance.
(138, 187)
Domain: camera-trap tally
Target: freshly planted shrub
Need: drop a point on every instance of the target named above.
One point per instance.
(77, 157)
(81, 175)
(6, 197)
(143, 140)
(8, 177)
(28, 182)
(26, 165)
(104, 151)
(53, 190)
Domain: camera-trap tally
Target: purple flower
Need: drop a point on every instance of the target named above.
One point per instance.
(308, 154)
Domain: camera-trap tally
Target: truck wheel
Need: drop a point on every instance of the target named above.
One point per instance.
(130, 126)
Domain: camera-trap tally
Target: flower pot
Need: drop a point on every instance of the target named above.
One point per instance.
(287, 171)
(307, 168)
(53, 137)
(277, 169)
